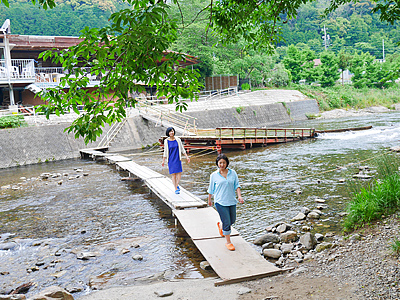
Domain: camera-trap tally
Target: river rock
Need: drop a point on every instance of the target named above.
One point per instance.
(163, 293)
(45, 176)
(395, 148)
(269, 237)
(272, 253)
(319, 237)
(321, 247)
(308, 240)
(137, 257)
(268, 245)
(281, 228)
(300, 216)
(8, 246)
(313, 215)
(13, 297)
(286, 248)
(87, 255)
(290, 236)
(318, 200)
(305, 210)
(243, 290)
(205, 265)
(53, 293)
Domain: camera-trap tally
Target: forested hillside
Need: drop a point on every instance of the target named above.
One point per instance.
(66, 19)
(353, 37)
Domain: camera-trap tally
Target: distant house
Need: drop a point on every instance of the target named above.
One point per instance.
(23, 74)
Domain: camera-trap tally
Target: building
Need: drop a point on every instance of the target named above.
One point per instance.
(23, 73)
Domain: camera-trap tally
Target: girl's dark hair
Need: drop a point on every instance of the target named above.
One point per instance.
(224, 157)
(169, 130)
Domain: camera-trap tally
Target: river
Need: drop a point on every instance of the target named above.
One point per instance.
(49, 223)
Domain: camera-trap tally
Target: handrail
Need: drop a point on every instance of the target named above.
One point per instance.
(179, 120)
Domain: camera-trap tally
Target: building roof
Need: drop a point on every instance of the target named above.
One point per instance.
(41, 43)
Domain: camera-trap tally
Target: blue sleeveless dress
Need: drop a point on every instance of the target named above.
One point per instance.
(174, 163)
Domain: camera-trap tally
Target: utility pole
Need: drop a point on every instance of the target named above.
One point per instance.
(326, 39)
(383, 50)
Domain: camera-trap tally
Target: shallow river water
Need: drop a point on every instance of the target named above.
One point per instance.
(48, 224)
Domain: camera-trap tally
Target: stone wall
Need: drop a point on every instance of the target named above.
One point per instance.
(36, 144)
(256, 116)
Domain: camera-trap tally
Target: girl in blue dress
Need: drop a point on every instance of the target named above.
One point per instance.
(173, 148)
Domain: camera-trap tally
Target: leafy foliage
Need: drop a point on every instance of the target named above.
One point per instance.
(12, 121)
(127, 54)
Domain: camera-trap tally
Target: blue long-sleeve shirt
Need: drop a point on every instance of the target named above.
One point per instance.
(224, 189)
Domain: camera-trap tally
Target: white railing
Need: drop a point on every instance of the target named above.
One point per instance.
(217, 94)
(19, 69)
(18, 110)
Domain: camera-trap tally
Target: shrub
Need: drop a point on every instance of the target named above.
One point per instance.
(12, 121)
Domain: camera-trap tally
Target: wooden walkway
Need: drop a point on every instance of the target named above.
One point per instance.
(200, 223)
(242, 137)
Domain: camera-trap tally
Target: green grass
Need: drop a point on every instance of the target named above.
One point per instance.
(347, 96)
(14, 121)
(375, 199)
(396, 247)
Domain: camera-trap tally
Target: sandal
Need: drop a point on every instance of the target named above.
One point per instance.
(220, 229)
(230, 247)
(177, 192)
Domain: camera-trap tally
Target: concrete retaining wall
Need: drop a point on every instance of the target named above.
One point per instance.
(256, 116)
(30, 145)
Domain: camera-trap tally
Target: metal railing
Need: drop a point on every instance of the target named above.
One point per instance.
(159, 114)
(19, 69)
(217, 94)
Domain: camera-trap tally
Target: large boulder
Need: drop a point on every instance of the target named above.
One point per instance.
(308, 240)
(266, 238)
(289, 236)
(53, 293)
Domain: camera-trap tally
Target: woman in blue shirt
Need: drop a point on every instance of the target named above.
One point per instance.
(173, 148)
(223, 184)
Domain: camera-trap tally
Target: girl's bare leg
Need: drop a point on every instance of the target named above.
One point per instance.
(174, 180)
(178, 179)
(228, 239)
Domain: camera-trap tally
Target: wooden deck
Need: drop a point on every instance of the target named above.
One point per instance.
(242, 137)
(200, 223)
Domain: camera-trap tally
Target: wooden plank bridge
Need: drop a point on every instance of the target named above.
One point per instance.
(242, 138)
(200, 223)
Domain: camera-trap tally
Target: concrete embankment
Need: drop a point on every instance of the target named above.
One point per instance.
(36, 144)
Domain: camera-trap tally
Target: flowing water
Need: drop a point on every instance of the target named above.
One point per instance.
(49, 223)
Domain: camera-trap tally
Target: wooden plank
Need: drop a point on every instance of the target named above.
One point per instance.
(117, 158)
(234, 266)
(164, 188)
(200, 223)
(138, 170)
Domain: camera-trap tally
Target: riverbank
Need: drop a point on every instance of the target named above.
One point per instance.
(359, 267)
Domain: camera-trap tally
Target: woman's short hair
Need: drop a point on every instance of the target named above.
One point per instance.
(224, 157)
(169, 130)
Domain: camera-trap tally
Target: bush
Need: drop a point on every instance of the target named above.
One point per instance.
(245, 86)
(12, 121)
(381, 197)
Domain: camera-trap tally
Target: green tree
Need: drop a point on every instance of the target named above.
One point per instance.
(343, 61)
(293, 62)
(279, 76)
(358, 67)
(329, 69)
